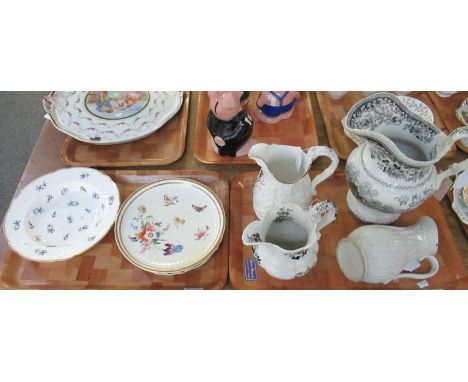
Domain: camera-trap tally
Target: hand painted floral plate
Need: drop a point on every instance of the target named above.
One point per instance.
(111, 117)
(62, 214)
(170, 226)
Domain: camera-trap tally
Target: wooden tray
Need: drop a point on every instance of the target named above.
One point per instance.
(333, 111)
(103, 267)
(446, 108)
(326, 274)
(298, 130)
(163, 147)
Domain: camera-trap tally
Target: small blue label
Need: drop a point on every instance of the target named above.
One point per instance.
(250, 270)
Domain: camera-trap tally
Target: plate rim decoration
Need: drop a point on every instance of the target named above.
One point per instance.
(200, 260)
(457, 208)
(406, 100)
(69, 252)
(463, 104)
(51, 112)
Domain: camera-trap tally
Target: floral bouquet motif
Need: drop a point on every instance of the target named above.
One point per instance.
(150, 233)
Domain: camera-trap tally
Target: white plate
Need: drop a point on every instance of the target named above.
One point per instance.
(116, 117)
(460, 196)
(62, 214)
(170, 226)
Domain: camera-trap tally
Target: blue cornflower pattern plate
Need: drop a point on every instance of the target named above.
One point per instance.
(62, 214)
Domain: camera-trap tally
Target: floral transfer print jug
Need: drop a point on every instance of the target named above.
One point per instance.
(285, 242)
(392, 169)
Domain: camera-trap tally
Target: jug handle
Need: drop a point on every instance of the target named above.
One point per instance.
(326, 210)
(453, 169)
(319, 151)
(452, 138)
(420, 276)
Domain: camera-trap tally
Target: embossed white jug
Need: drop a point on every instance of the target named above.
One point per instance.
(379, 254)
(284, 175)
(285, 242)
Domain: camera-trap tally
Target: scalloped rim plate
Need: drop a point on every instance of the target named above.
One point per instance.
(62, 214)
(69, 112)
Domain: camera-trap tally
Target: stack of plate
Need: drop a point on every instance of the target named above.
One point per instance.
(170, 226)
(62, 214)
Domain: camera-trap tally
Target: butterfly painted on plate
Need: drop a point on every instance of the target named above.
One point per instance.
(197, 208)
(171, 248)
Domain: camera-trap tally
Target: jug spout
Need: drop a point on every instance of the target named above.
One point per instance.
(251, 235)
(258, 153)
(287, 164)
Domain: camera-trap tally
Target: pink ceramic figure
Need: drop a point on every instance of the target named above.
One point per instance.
(229, 125)
(273, 106)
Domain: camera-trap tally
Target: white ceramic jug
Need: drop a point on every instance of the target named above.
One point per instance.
(379, 254)
(284, 175)
(285, 242)
(393, 168)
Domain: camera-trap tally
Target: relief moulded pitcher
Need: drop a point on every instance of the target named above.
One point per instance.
(284, 175)
(379, 254)
(392, 169)
(285, 242)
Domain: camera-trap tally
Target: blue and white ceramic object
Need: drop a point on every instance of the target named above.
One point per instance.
(62, 214)
(392, 169)
(417, 107)
(460, 196)
(285, 241)
(110, 117)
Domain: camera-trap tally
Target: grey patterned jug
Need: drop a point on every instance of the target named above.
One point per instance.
(392, 169)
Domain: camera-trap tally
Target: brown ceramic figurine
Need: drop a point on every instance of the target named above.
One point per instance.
(275, 106)
(229, 124)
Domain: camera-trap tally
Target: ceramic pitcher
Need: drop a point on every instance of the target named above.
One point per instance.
(392, 169)
(379, 254)
(284, 175)
(285, 242)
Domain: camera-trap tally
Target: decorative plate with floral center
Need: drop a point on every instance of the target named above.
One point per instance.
(62, 214)
(170, 226)
(110, 117)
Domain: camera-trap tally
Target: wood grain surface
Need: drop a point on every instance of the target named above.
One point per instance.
(333, 111)
(298, 130)
(326, 274)
(160, 148)
(45, 158)
(446, 108)
(104, 267)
